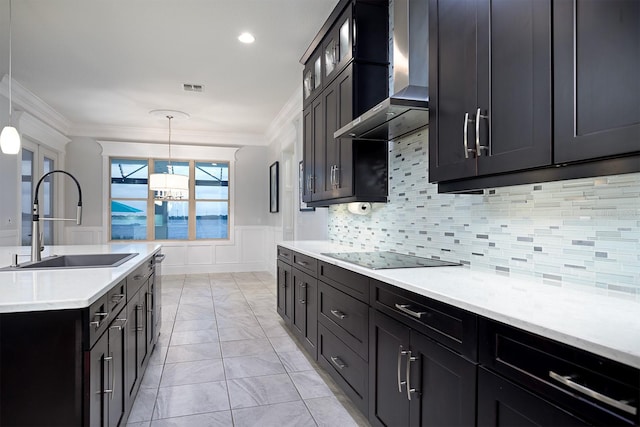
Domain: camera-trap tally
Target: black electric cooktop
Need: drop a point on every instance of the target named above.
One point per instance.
(382, 260)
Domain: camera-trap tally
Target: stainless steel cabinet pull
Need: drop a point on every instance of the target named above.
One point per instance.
(119, 327)
(405, 308)
(408, 373)
(160, 257)
(149, 303)
(102, 316)
(337, 177)
(338, 362)
(303, 286)
(479, 148)
(302, 263)
(567, 380)
(138, 277)
(400, 354)
(117, 298)
(339, 314)
(465, 136)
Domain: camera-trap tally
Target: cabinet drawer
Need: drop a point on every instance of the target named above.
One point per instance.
(344, 366)
(136, 279)
(594, 388)
(347, 281)
(448, 325)
(285, 254)
(117, 297)
(305, 263)
(346, 317)
(99, 318)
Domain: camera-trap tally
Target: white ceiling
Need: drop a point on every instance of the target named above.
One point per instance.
(104, 64)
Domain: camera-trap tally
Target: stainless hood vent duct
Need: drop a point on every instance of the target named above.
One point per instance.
(407, 110)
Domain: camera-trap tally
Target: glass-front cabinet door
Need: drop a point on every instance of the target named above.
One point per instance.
(312, 78)
(337, 50)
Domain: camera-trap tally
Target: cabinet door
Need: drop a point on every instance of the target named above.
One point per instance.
(452, 87)
(388, 403)
(131, 334)
(117, 336)
(308, 161)
(337, 153)
(513, 115)
(312, 78)
(596, 86)
(444, 384)
(149, 306)
(305, 309)
(285, 292)
(318, 146)
(502, 403)
(98, 382)
(337, 48)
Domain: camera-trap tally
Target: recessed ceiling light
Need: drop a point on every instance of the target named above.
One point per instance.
(246, 38)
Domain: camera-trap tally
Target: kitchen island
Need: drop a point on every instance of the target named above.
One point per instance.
(75, 342)
(488, 344)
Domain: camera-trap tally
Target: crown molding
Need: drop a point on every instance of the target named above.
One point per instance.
(35, 129)
(178, 137)
(146, 149)
(27, 101)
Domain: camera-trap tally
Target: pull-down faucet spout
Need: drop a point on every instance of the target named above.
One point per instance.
(36, 238)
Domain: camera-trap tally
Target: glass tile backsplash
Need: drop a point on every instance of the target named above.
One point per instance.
(583, 231)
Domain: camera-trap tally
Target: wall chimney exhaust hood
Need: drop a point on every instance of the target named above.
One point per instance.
(407, 110)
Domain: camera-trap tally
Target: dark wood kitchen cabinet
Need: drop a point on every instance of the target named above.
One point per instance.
(304, 319)
(530, 380)
(76, 364)
(355, 78)
(490, 87)
(596, 45)
(284, 292)
(415, 381)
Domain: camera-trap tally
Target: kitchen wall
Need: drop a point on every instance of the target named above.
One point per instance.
(584, 231)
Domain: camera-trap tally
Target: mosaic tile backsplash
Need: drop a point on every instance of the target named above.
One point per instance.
(583, 231)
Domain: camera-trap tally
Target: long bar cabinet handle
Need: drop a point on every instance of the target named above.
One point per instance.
(409, 360)
(479, 147)
(400, 354)
(405, 309)
(618, 404)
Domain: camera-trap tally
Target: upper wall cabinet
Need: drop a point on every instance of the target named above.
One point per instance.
(351, 54)
(532, 91)
(597, 78)
(490, 87)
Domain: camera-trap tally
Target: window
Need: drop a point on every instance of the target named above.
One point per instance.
(137, 215)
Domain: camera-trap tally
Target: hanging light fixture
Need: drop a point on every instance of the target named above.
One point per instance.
(169, 185)
(10, 138)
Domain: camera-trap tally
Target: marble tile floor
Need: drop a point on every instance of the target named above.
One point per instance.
(225, 358)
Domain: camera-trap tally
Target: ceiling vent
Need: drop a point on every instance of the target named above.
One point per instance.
(190, 87)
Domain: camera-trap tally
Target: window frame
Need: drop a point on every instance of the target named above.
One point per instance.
(150, 200)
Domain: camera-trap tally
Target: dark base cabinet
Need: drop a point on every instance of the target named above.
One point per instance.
(79, 367)
(416, 381)
(502, 403)
(405, 359)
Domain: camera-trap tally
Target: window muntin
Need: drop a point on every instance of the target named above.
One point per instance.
(137, 215)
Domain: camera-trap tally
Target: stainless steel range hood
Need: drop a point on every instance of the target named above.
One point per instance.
(407, 110)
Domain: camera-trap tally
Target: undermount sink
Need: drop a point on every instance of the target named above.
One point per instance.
(76, 261)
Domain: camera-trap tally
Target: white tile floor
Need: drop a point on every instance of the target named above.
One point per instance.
(225, 359)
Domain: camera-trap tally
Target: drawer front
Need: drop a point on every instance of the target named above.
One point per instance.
(305, 263)
(600, 390)
(136, 279)
(448, 325)
(99, 318)
(117, 297)
(347, 281)
(285, 254)
(344, 366)
(346, 317)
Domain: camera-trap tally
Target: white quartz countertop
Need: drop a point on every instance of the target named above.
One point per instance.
(39, 290)
(596, 320)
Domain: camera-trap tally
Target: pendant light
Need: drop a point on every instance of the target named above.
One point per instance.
(10, 138)
(168, 185)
